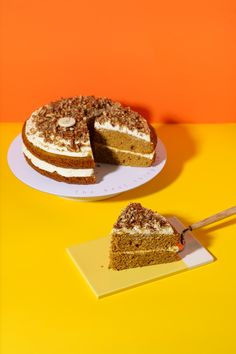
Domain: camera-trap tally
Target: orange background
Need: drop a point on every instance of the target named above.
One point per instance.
(171, 60)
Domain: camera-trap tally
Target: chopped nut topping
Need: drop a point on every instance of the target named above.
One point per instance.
(124, 116)
(136, 215)
(83, 109)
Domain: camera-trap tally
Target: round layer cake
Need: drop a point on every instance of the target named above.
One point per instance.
(63, 139)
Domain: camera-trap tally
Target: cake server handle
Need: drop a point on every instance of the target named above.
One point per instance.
(211, 219)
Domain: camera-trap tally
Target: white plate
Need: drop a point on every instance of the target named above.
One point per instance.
(111, 179)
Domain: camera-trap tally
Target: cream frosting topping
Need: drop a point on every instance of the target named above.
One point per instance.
(65, 172)
(161, 230)
(122, 129)
(158, 249)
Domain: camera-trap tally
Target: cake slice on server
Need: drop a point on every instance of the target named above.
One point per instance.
(141, 237)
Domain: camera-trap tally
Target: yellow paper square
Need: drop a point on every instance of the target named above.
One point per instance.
(91, 258)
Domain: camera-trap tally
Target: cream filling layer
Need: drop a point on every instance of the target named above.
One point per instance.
(39, 142)
(161, 230)
(147, 156)
(168, 249)
(65, 172)
(122, 129)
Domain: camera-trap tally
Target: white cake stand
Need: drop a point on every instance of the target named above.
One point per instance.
(111, 179)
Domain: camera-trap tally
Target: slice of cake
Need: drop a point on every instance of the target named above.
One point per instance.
(124, 137)
(141, 237)
(63, 139)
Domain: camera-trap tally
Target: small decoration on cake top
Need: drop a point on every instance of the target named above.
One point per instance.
(66, 122)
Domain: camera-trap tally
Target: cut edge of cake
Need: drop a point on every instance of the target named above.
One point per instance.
(123, 136)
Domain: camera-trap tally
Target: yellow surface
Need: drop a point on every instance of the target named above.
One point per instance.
(47, 308)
